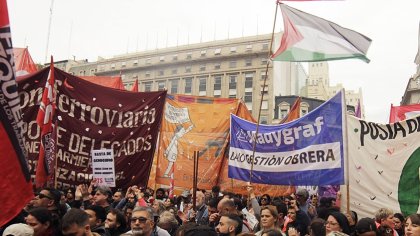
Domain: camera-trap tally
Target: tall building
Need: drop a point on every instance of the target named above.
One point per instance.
(232, 68)
(412, 91)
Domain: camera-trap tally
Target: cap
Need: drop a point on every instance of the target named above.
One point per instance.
(19, 230)
(365, 225)
(302, 192)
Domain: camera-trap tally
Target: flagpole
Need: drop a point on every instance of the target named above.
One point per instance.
(346, 152)
(262, 96)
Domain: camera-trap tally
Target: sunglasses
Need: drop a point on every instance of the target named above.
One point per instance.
(41, 196)
(140, 219)
(264, 199)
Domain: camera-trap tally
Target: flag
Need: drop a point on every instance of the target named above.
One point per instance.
(46, 160)
(358, 112)
(15, 180)
(310, 38)
(294, 112)
(135, 87)
(400, 113)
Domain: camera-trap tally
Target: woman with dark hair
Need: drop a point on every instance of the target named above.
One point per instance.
(265, 200)
(337, 222)
(41, 220)
(412, 225)
(399, 223)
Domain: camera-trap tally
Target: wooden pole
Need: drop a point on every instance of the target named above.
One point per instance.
(195, 176)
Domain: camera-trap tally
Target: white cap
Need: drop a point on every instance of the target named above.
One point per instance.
(19, 230)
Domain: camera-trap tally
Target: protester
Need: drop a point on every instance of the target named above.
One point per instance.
(352, 219)
(160, 194)
(143, 223)
(269, 217)
(317, 227)
(365, 227)
(18, 229)
(76, 223)
(117, 198)
(41, 220)
(272, 232)
(297, 219)
(385, 216)
(337, 222)
(97, 216)
(398, 223)
(265, 200)
(229, 225)
(115, 222)
(49, 198)
(168, 222)
(412, 225)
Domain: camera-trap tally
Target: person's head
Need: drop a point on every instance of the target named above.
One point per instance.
(47, 197)
(102, 196)
(226, 206)
(291, 213)
(131, 198)
(366, 227)
(269, 216)
(229, 224)
(19, 229)
(200, 198)
(265, 200)
(314, 199)
(385, 230)
(118, 195)
(115, 221)
(337, 221)
(352, 218)
(169, 202)
(160, 193)
(158, 207)
(97, 215)
(398, 221)
(302, 195)
(201, 230)
(385, 216)
(142, 221)
(281, 209)
(212, 206)
(40, 219)
(215, 190)
(168, 222)
(128, 211)
(317, 227)
(271, 232)
(412, 225)
(75, 223)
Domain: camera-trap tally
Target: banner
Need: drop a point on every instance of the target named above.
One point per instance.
(307, 151)
(194, 124)
(103, 167)
(384, 166)
(400, 113)
(91, 116)
(15, 181)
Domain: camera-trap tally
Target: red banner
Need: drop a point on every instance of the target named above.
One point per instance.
(15, 180)
(400, 113)
(91, 116)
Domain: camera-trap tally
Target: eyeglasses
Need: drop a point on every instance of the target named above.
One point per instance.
(41, 195)
(264, 199)
(331, 223)
(140, 219)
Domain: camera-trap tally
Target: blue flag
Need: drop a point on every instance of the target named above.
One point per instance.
(306, 151)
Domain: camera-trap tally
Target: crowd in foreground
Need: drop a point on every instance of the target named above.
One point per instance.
(90, 210)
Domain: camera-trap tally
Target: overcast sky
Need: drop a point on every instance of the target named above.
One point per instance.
(91, 28)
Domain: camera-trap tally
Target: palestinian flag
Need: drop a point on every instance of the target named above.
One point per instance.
(310, 38)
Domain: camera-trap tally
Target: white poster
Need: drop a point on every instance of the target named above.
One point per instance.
(384, 161)
(103, 167)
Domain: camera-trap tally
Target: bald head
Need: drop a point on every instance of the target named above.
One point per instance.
(226, 206)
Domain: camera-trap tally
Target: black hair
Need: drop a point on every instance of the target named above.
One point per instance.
(120, 218)
(99, 212)
(215, 189)
(238, 220)
(200, 230)
(74, 216)
(317, 227)
(41, 214)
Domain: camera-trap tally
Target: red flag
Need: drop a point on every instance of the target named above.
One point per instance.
(400, 113)
(135, 87)
(15, 180)
(46, 161)
(294, 112)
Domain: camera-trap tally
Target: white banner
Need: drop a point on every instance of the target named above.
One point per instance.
(384, 163)
(103, 167)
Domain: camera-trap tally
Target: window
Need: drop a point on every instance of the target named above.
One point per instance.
(263, 61)
(249, 47)
(174, 71)
(203, 53)
(187, 69)
(148, 61)
(232, 96)
(283, 113)
(232, 82)
(175, 57)
(248, 97)
(188, 85)
(174, 86)
(189, 55)
(161, 85)
(264, 105)
(249, 77)
(202, 84)
(148, 86)
(203, 67)
(217, 66)
(123, 64)
(161, 72)
(217, 51)
(263, 120)
(248, 62)
(162, 59)
(263, 75)
(147, 74)
(218, 82)
(232, 64)
(232, 49)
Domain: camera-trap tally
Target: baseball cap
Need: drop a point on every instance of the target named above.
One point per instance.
(18, 230)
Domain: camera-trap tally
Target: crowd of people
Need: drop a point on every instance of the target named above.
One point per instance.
(90, 210)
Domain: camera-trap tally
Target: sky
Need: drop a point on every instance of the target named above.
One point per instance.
(88, 29)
